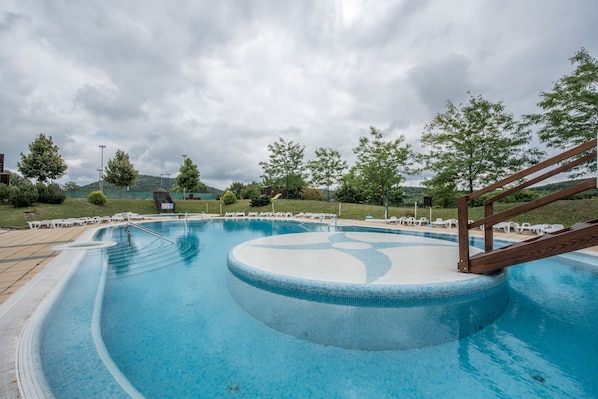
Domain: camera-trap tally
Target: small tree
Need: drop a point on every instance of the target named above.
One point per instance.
(475, 144)
(188, 177)
(381, 164)
(229, 198)
(97, 198)
(327, 168)
(120, 171)
(285, 168)
(43, 162)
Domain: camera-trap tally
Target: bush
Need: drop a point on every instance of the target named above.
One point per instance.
(311, 193)
(229, 198)
(259, 201)
(4, 192)
(50, 194)
(20, 197)
(97, 198)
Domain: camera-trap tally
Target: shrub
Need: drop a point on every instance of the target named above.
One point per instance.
(260, 201)
(20, 197)
(50, 194)
(229, 198)
(4, 192)
(97, 198)
(311, 193)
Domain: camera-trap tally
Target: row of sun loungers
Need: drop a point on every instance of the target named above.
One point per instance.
(280, 215)
(56, 223)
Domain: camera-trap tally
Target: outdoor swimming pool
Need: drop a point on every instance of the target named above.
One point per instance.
(171, 329)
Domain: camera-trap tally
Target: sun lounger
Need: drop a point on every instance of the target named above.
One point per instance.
(438, 222)
(553, 228)
(36, 224)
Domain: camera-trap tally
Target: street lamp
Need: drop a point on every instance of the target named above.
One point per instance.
(102, 169)
(184, 159)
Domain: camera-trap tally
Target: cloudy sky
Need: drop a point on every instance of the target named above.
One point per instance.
(220, 80)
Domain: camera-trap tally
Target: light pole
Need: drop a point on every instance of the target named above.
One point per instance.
(184, 159)
(102, 169)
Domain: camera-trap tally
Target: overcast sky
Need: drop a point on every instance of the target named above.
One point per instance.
(220, 80)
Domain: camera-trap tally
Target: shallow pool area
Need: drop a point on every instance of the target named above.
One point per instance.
(159, 320)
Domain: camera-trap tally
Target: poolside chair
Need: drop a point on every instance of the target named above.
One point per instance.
(553, 228)
(36, 224)
(450, 223)
(438, 222)
(421, 221)
(392, 219)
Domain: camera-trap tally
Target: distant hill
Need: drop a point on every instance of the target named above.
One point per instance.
(146, 183)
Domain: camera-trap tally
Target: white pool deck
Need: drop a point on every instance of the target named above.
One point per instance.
(30, 269)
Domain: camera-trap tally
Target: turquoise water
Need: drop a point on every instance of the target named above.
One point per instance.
(171, 326)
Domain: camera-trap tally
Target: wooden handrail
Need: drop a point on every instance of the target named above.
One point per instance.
(490, 219)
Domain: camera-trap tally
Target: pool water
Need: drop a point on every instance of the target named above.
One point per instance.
(171, 327)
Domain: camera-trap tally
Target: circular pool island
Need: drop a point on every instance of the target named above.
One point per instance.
(363, 290)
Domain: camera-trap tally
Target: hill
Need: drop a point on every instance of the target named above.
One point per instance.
(146, 183)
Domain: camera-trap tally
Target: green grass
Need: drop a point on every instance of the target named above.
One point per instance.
(564, 212)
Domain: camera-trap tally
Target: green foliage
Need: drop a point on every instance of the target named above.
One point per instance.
(43, 161)
(97, 198)
(188, 177)
(50, 194)
(311, 193)
(571, 108)
(120, 171)
(284, 171)
(327, 168)
(251, 190)
(4, 192)
(475, 144)
(380, 164)
(71, 186)
(351, 189)
(236, 187)
(260, 201)
(229, 198)
(20, 197)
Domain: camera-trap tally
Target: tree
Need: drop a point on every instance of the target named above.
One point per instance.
(570, 113)
(120, 171)
(71, 186)
(381, 164)
(285, 168)
(327, 168)
(475, 144)
(43, 161)
(188, 177)
(350, 189)
(236, 187)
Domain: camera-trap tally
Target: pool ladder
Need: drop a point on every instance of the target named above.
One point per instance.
(145, 229)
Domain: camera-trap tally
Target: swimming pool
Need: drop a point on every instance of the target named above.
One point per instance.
(171, 329)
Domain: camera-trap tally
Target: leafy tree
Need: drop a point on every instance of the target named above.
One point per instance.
(285, 168)
(251, 190)
(380, 164)
(71, 186)
(570, 113)
(351, 189)
(236, 187)
(120, 171)
(43, 162)
(475, 144)
(188, 177)
(327, 169)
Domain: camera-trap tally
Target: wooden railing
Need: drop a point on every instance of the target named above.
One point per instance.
(490, 219)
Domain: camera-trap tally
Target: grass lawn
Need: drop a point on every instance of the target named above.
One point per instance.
(564, 212)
